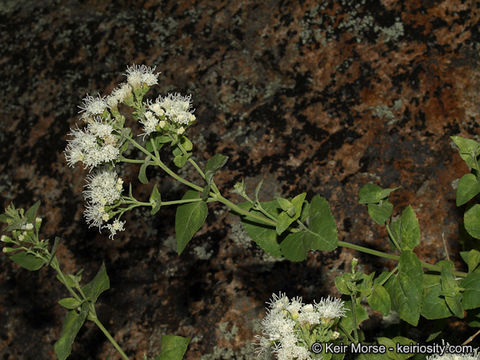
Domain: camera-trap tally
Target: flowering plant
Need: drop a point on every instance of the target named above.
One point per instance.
(284, 227)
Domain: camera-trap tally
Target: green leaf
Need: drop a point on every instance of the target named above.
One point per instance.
(468, 149)
(471, 294)
(214, 164)
(379, 300)
(72, 324)
(181, 160)
(472, 221)
(296, 245)
(405, 288)
(69, 303)
(186, 143)
(468, 188)
(432, 336)
(173, 347)
(344, 284)
(257, 191)
(189, 219)
(322, 223)
(291, 212)
(434, 305)
(27, 261)
(450, 288)
(472, 258)
(372, 194)
(409, 229)
(31, 213)
(380, 212)
(155, 200)
(99, 284)
(142, 174)
(263, 235)
(392, 343)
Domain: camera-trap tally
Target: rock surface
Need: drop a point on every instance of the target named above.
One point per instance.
(315, 96)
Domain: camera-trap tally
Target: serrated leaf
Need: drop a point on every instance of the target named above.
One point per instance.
(31, 213)
(471, 294)
(173, 347)
(69, 303)
(322, 223)
(263, 235)
(4, 218)
(409, 229)
(469, 150)
(99, 284)
(450, 288)
(405, 288)
(468, 188)
(472, 258)
(27, 261)
(71, 325)
(372, 194)
(472, 221)
(296, 245)
(379, 300)
(434, 305)
(189, 219)
(380, 212)
(142, 174)
(214, 164)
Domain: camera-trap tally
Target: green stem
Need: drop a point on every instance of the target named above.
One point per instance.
(246, 213)
(132, 161)
(354, 315)
(199, 170)
(392, 237)
(164, 167)
(56, 266)
(109, 337)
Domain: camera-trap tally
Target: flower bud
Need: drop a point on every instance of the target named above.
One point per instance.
(180, 130)
(6, 239)
(29, 226)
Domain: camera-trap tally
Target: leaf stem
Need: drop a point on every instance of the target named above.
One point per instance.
(109, 337)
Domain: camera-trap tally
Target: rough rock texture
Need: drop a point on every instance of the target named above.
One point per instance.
(315, 96)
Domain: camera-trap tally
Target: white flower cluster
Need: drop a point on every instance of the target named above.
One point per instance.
(103, 188)
(174, 108)
(94, 145)
(119, 95)
(92, 106)
(281, 333)
(137, 75)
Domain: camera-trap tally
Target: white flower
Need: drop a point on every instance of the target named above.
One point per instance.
(119, 95)
(103, 188)
(93, 146)
(330, 308)
(116, 226)
(309, 315)
(176, 107)
(149, 123)
(92, 106)
(141, 74)
(94, 215)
